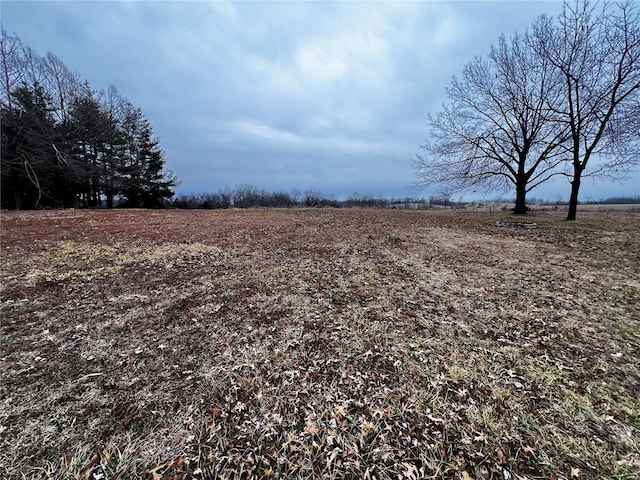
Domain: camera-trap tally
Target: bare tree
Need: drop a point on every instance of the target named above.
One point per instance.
(596, 50)
(13, 66)
(495, 133)
(114, 107)
(64, 85)
(19, 67)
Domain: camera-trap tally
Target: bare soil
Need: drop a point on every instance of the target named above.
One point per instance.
(319, 344)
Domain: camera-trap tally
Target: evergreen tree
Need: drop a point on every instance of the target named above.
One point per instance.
(146, 182)
(29, 164)
(64, 145)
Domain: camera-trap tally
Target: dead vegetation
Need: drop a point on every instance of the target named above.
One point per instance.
(319, 344)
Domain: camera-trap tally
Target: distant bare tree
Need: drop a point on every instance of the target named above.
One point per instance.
(495, 133)
(315, 198)
(20, 92)
(596, 50)
(13, 66)
(64, 85)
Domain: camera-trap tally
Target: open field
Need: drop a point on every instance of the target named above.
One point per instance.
(319, 344)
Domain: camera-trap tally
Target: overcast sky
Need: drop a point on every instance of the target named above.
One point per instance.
(330, 96)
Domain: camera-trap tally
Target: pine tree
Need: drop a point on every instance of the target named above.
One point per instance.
(29, 166)
(64, 145)
(146, 182)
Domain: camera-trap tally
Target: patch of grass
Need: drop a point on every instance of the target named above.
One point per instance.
(293, 344)
(111, 464)
(394, 238)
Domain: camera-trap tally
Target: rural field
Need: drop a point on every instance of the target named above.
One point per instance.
(371, 344)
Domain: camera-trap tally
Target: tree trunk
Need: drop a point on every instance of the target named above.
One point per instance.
(17, 198)
(521, 194)
(109, 194)
(95, 193)
(17, 192)
(573, 199)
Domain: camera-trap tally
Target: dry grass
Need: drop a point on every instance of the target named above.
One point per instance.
(319, 344)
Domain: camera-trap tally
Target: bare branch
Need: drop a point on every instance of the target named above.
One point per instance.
(598, 54)
(497, 129)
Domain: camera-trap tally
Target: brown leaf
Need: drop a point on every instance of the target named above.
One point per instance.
(481, 437)
(410, 471)
(378, 413)
(501, 456)
(176, 463)
(154, 472)
(313, 429)
(340, 411)
(268, 473)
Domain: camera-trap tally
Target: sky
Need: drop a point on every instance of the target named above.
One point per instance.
(284, 96)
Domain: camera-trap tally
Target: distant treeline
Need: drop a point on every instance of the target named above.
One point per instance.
(248, 196)
(614, 201)
(603, 201)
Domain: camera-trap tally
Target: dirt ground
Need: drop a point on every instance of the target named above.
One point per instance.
(319, 344)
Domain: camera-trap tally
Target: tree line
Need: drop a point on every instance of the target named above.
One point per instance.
(249, 196)
(562, 99)
(67, 145)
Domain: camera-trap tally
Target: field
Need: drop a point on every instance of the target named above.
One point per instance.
(370, 344)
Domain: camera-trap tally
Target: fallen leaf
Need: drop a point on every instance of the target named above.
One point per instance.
(176, 463)
(340, 411)
(154, 472)
(378, 413)
(575, 472)
(313, 429)
(410, 471)
(501, 456)
(481, 437)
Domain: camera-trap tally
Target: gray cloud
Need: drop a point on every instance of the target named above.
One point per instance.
(332, 96)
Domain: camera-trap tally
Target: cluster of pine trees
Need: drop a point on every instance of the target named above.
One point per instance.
(66, 145)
